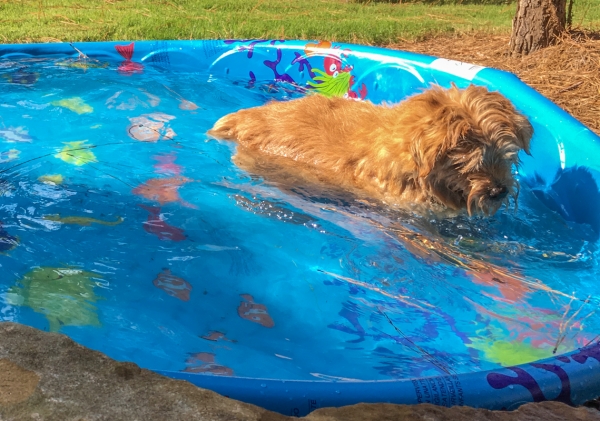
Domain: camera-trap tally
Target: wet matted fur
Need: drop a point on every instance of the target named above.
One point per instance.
(451, 147)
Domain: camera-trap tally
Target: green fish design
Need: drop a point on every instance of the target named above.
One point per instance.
(77, 153)
(64, 295)
(330, 85)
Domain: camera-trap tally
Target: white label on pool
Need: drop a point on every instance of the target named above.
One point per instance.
(456, 68)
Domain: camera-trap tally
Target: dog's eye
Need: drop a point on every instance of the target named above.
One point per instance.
(512, 156)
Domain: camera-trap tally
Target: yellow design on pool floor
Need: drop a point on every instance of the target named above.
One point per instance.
(51, 179)
(77, 153)
(511, 353)
(82, 220)
(75, 104)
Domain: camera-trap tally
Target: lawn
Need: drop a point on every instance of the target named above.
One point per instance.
(365, 22)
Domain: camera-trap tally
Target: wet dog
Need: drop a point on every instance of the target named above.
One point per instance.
(443, 148)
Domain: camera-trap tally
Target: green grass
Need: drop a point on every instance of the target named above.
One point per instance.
(357, 21)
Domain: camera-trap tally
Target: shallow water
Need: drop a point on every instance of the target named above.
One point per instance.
(127, 228)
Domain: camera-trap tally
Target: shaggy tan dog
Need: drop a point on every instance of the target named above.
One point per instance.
(451, 147)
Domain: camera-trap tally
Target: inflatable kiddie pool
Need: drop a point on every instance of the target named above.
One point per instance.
(125, 227)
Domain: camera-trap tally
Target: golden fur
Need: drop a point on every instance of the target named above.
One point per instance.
(454, 147)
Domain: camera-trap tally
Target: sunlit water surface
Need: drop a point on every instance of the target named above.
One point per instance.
(125, 227)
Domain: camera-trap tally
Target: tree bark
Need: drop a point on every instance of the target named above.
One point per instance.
(537, 24)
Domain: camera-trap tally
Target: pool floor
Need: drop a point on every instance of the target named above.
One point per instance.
(124, 226)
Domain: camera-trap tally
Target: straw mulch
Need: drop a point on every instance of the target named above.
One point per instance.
(567, 73)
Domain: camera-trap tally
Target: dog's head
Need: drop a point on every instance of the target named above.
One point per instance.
(466, 142)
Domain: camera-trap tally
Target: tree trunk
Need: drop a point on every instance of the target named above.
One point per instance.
(537, 24)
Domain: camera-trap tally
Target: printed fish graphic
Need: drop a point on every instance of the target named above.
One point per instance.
(77, 153)
(128, 67)
(216, 336)
(184, 104)
(166, 164)
(151, 127)
(82, 220)
(21, 77)
(256, 313)
(7, 241)
(75, 104)
(173, 285)
(317, 48)
(64, 295)
(510, 353)
(55, 179)
(204, 362)
(512, 285)
(15, 134)
(537, 327)
(124, 100)
(10, 155)
(163, 190)
(83, 63)
(509, 284)
(155, 225)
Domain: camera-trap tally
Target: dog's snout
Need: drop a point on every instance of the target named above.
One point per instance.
(498, 192)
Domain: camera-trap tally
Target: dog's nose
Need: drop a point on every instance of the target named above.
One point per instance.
(498, 192)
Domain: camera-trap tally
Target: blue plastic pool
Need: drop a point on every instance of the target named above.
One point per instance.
(125, 227)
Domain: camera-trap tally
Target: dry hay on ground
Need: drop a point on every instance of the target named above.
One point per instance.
(567, 73)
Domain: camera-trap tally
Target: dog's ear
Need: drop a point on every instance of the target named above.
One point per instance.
(442, 133)
(524, 133)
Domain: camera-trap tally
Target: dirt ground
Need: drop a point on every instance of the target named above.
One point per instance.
(567, 73)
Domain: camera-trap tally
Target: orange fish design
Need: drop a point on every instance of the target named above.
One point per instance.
(173, 285)
(511, 286)
(540, 332)
(312, 48)
(215, 336)
(256, 313)
(163, 190)
(184, 104)
(187, 105)
(204, 362)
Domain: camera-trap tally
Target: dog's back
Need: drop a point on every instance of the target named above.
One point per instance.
(341, 140)
(306, 130)
(450, 146)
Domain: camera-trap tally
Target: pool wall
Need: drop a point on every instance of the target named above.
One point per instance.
(563, 171)
(572, 379)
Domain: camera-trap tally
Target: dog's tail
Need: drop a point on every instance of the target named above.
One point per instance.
(244, 126)
(227, 127)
